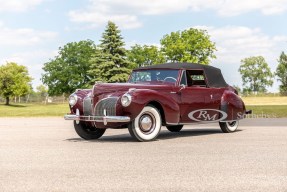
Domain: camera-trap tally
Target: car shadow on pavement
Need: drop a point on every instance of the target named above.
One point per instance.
(164, 135)
(108, 138)
(189, 133)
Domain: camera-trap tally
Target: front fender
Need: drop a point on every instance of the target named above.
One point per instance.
(143, 97)
(81, 94)
(232, 105)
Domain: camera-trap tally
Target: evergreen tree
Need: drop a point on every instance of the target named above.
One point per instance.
(95, 70)
(110, 60)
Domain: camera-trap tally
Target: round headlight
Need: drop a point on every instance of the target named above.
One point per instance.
(126, 100)
(73, 99)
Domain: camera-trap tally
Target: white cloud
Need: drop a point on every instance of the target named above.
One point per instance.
(25, 57)
(237, 7)
(222, 7)
(33, 60)
(125, 12)
(24, 46)
(23, 36)
(235, 43)
(98, 15)
(97, 19)
(18, 5)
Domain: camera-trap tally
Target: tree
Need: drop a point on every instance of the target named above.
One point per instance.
(281, 72)
(145, 55)
(14, 81)
(256, 74)
(110, 61)
(42, 90)
(191, 45)
(237, 88)
(68, 70)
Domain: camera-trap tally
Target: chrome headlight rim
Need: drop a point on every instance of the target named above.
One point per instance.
(126, 99)
(73, 99)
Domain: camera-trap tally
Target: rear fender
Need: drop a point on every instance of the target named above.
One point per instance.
(232, 105)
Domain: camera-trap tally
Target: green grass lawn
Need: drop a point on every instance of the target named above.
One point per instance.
(268, 110)
(58, 110)
(33, 110)
(271, 101)
(265, 105)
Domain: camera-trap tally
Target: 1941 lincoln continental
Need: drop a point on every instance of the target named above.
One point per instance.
(171, 95)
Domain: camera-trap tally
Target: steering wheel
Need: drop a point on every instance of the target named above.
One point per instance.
(172, 79)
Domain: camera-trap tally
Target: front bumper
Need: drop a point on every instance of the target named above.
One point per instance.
(104, 119)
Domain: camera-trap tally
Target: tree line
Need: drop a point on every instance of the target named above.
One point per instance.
(81, 64)
(257, 76)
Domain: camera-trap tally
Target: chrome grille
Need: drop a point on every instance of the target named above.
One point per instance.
(108, 105)
(87, 106)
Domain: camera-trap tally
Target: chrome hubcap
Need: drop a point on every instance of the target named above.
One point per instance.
(147, 123)
(232, 126)
(232, 123)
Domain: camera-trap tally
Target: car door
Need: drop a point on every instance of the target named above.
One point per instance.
(198, 101)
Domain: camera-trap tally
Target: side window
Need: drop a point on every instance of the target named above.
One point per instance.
(183, 78)
(196, 78)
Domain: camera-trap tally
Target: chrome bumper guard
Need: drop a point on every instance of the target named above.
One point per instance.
(104, 119)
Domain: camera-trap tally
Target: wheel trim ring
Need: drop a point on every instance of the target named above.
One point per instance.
(151, 128)
(232, 125)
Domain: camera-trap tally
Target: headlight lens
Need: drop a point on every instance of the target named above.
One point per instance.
(73, 99)
(126, 100)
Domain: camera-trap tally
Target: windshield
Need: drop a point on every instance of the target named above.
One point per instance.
(154, 76)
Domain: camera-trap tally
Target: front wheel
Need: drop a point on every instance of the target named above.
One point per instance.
(146, 126)
(88, 132)
(228, 127)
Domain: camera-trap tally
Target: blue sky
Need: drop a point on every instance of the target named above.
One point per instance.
(31, 31)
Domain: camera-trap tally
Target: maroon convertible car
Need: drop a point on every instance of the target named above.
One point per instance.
(171, 95)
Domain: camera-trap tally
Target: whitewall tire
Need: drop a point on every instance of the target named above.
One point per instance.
(146, 126)
(229, 126)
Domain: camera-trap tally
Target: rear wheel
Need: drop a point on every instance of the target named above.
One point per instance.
(146, 126)
(174, 128)
(88, 132)
(228, 127)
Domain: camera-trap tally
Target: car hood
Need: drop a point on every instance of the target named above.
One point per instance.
(119, 88)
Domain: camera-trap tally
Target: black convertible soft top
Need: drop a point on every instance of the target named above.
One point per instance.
(213, 74)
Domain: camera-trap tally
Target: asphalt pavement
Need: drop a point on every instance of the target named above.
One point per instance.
(45, 154)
